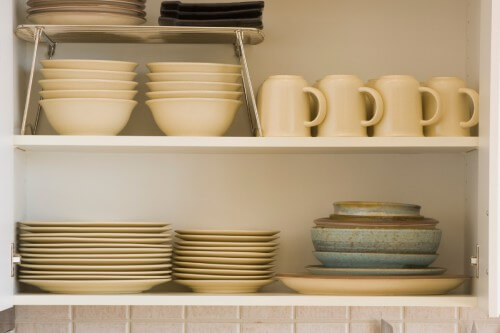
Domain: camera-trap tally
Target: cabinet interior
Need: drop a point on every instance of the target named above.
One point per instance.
(274, 191)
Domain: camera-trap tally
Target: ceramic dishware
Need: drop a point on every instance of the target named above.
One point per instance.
(86, 84)
(195, 76)
(115, 94)
(321, 270)
(198, 67)
(403, 114)
(421, 241)
(194, 116)
(88, 116)
(456, 119)
(225, 286)
(57, 73)
(89, 64)
(374, 260)
(193, 85)
(285, 108)
(84, 18)
(195, 94)
(95, 287)
(378, 209)
(372, 285)
(346, 107)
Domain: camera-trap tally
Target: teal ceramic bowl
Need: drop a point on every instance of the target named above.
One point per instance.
(376, 240)
(374, 260)
(320, 270)
(370, 208)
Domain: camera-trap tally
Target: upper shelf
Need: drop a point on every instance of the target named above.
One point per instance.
(244, 145)
(140, 34)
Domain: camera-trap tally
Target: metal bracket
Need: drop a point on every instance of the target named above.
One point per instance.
(247, 85)
(474, 261)
(39, 33)
(15, 259)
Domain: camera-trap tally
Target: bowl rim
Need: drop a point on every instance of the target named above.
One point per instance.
(97, 71)
(378, 253)
(193, 82)
(183, 63)
(194, 73)
(193, 99)
(85, 80)
(83, 99)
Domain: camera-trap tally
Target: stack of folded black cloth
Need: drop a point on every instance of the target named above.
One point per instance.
(228, 14)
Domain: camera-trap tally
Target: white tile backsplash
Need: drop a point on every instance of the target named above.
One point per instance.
(249, 319)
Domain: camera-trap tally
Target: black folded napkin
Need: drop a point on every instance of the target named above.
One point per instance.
(232, 14)
(211, 7)
(242, 22)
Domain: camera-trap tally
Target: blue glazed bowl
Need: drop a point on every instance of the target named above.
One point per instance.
(374, 260)
(376, 240)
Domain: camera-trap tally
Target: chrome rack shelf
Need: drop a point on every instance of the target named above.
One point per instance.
(53, 34)
(140, 34)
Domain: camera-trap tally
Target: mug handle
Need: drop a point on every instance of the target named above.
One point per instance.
(321, 100)
(437, 114)
(379, 106)
(474, 96)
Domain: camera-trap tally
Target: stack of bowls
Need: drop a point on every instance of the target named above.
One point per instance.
(94, 257)
(194, 99)
(88, 97)
(225, 261)
(375, 238)
(88, 12)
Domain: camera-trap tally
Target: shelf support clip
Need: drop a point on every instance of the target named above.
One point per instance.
(474, 261)
(15, 259)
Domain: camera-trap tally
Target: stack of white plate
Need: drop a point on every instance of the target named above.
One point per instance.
(225, 261)
(94, 257)
(88, 97)
(194, 99)
(87, 12)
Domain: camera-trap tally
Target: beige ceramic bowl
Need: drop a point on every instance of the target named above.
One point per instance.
(194, 116)
(194, 76)
(103, 65)
(192, 85)
(195, 94)
(88, 116)
(162, 67)
(57, 73)
(115, 94)
(75, 84)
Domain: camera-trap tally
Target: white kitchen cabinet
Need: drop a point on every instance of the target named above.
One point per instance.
(273, 183)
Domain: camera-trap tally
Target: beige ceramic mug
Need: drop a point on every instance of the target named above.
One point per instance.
(403, 106)
(454, 107)
(346, 106)
(285, 108)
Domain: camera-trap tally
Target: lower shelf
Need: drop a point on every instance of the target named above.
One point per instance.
(262, 299)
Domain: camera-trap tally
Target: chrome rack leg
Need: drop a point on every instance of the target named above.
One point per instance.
(52, 50)
(247, 85)
(38, 34)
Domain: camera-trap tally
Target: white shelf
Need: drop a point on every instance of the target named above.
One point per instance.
(244, 145)
(261, 299)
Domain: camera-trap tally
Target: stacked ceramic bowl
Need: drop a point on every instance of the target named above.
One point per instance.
(225, 261)
(88, 97)
(375, 238)
(194, 99)
(88, 12)
(94, 257)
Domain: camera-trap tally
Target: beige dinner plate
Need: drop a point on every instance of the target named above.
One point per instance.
(124, 268)
(44, 240)
(225, 286)
(59, 73)
(27, 234)
(225, 254)
(221, 260)
(198, 67)
(99, 251)
(93, 255)
(93, 277)
(221, 238)
(372, 285)
(88, 229)
(95, 261)
(85, 273)
(261, 249)
(95, 287)
(188, 276)
(93, 246)
(85, 18)
(222, 271)
(225, 244)
(69, 63)
(228, 232)
(221, 266)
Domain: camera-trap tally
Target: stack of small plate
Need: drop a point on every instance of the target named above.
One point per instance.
(88, 12)
(194, 99)
(225, 261)
(94, 257)
(88, 97)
